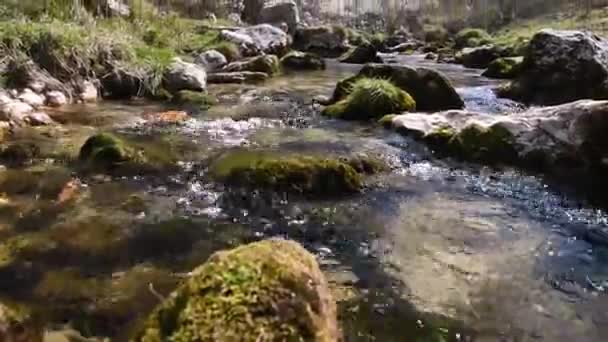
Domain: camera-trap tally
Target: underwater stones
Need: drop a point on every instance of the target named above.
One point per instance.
(430, 89)
(211, 60)
(17, 325)
(471, 37)
(297, 60)
(105, 150)
(237, 77)
(268, 64)
(562, 66)
(182, 75)
(271, 290)
(371, 98)
(505, 67)
(300, 174)
(361, 54)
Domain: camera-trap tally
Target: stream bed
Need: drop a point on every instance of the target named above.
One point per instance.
(435, 250)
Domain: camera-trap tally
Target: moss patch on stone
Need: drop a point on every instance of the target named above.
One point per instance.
(308, 175)
(493, 144)
(200, 100)
(297, 60)
(471, 37)
(507, 67)
(371, 98)
(271, 290)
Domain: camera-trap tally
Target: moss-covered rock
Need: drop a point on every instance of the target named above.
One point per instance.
(431, 90)
(371, 98)
(478, 57)
(471, 37)
(17, 324)
(361, 54)
(197, 99)
(268, 64)
(506, 67)
(297, 60)
(271, 290)
(308, 175)
(493, 144)
(432, 33)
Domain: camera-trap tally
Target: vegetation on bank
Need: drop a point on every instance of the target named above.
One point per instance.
(89, 46)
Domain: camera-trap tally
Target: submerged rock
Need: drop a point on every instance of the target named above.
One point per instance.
(181, 75)
(569, 136)
(237, 77)
(506, 67)
(361, 54)
(562, 66)
(271, 290)
(286, 12)
(371, 98)
(268, 64)
(327, 41)
(211, 60)
(308, 175)
(297, 60)
(430, 89)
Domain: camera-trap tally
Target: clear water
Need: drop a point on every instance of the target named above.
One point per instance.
(435, 250)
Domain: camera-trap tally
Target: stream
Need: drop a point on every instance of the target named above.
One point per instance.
(435, 250)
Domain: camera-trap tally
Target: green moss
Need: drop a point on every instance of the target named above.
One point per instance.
(106, 150)
(507, 67)
(201, 100)
(270, 289)
(307, 175)
(440, 137)
(371, 98)
(471, 37)
(387, 120)
(297, 60)
(435, 33)
(493, 144)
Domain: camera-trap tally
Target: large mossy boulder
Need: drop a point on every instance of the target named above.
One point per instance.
(471, 37)
(271, 290)
(478, 57)
(268, 64)
(560, 67)
(568, 136)
(430, 89)
(327, 41)
(505, 67)
(371, 98)
(299, 174)
(361, 54)
(297, 60)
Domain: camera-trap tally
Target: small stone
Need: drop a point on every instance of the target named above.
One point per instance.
(55, 99)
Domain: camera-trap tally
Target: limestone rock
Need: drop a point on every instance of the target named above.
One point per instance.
(211, 60)
(286, 12)
(88, 92)
(181, 75)
(31, 98)
(55, 99)
(263, 38)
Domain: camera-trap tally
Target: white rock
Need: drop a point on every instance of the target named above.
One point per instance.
(15, 111)
(181, 75)
(211, 60)
(55, 99)
(38, 119)
(88, 92)
(31, 98)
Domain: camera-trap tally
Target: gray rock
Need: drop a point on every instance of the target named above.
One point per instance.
(406, 47)
(562, 66)
(286, 12)
(505, 67)
(235, 18)
(88, 92)
(181, 75)
(431, 89)
(55, 99)
(327, 41)
(15, 111)
(298, 60)
(237, 77)
(122, 84)
(571, 134)
(211, 60)
(263, 38)
(478, 57)
(361, 54)
(38, 119)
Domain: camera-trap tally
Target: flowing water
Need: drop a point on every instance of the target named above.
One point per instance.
(435, 250)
